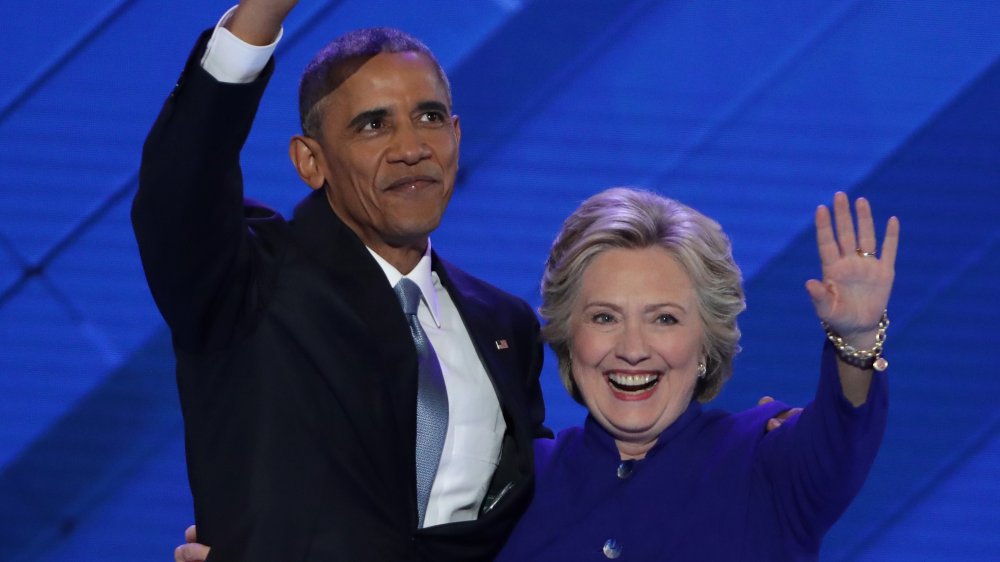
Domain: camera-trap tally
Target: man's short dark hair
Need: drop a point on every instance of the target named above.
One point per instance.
(333, 64)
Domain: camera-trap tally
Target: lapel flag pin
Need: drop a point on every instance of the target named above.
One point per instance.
(501, 344)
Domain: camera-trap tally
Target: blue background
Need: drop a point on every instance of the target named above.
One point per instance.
(753, 112)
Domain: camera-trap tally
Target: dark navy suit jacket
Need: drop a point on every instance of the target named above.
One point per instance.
(296, 369)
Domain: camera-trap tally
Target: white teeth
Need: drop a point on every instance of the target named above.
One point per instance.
(632, 380)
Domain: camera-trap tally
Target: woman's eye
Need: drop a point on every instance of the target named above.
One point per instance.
(667, 319)
(602, 318)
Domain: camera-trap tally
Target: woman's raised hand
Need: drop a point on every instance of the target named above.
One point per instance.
(856, 280)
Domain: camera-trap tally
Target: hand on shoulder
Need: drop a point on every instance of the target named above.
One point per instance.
(191, 550)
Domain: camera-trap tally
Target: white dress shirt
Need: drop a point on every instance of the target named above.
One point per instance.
(475, 423)
(229, 59)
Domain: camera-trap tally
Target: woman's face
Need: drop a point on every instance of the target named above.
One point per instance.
(635, 343)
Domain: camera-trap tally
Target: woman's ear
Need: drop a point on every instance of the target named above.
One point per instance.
(308, 160)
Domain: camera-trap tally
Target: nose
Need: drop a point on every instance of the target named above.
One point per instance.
(408, 146)
(632, 346)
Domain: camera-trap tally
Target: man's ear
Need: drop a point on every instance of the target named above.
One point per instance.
(458, 128)
(307, 158)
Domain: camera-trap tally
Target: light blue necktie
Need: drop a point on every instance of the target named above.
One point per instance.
(432, 398)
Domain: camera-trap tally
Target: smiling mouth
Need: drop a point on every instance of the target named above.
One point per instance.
(411, 183)
(633, 383)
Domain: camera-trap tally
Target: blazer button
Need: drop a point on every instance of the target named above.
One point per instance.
(625, 469)
(612, 549)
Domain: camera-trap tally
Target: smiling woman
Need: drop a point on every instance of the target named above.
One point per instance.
(640, 297)
(628, 282)
(637, 344)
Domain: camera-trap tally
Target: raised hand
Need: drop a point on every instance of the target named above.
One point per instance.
(258, 21)
(856, 281)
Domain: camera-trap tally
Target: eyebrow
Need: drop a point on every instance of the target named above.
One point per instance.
(367, 117)
(671, 305)
(648, 308)
(381, 113)
(432, 106)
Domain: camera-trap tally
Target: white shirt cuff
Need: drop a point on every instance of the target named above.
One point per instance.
(230, 59)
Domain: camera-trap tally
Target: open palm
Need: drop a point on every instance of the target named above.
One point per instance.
(856, 283)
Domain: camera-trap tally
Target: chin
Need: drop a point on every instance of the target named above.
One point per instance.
(412, 227)
(632, 431)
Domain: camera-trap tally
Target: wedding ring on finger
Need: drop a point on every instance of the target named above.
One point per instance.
(865, 254)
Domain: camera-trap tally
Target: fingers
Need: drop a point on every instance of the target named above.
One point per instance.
(191, 534)
(192, 552)
(829, 252)
(842, 243)
(865, 240)
(845, 224)
(776, 421)
(866, 226)
(891, 242)
(822, 297)
(789, 414)
(781, 417)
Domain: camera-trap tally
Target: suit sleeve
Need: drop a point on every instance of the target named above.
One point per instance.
(533, 388)
(188, 212)
(816, 464)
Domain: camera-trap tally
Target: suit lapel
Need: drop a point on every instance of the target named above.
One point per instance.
(362, 286)
(479, 315)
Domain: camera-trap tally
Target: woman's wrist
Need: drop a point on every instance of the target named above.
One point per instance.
(864, 349)
(861, 340)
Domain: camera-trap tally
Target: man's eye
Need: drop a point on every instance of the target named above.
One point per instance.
(373, 125)
(432, 117)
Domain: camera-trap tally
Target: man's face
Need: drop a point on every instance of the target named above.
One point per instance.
(390, 150)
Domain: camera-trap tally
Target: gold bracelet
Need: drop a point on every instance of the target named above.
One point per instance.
(861, 358)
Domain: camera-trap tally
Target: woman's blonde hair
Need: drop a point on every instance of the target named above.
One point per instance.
(631, 218)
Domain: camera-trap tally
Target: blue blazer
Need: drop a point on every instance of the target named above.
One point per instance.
(714, 487)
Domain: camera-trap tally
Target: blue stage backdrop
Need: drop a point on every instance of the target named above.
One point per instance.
(753, 112)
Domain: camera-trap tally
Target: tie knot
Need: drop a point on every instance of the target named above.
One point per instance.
(408, 294)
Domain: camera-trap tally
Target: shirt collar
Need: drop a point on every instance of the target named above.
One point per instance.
(422, 275)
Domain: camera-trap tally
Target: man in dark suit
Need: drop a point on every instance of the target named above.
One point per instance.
(300, 376)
